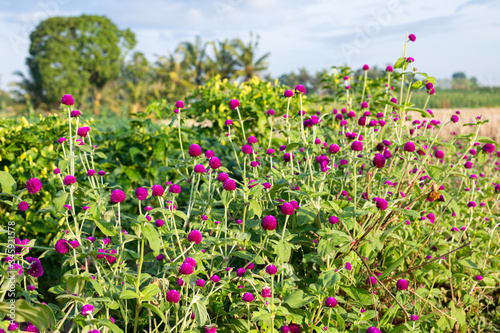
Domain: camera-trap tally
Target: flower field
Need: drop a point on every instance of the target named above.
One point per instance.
(355, 212)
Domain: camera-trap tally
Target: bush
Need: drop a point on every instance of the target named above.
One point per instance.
(363, 220)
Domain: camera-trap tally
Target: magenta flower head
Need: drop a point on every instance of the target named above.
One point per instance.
(412, 37)
(22, 206)
(364, 105)
(69, 180)
(373, 329)
(478, 278)
(91, 172)
(199, 168)
(389, 68)
(159, 223)
(248, 297)
(67, 100)
(35, 270)
(186, 269)
(240, 272)
(471, 204)
(269, 223)
(16, 267)
(209, 154)
(117, 196)
(468, 165)
(252, 139)
(195, 237)
(454, 118)
(141, 193)
(75, 114)
(330, 302)
(439, 154)
(333, 149)
(173, 296)
(194, 150)
(62, 246)
(288, 93)
(179, 104)
(287, 157)
(157, 190)
(83, 131)
(215, 278)
(229, 185)
(271, 269)
(270, 151)
(409, 147)
(366, 67)
(381, 204)
(489, 148)
(285, 329)
(175, 189)
(402, 284)
(300, 89)
(271, 112)
(228, 122)
(190, 261)
(87, 310)
(33, 185)
(357, 146)
(379, 161)
(333, 220)
(200, 283)
(247, 149)
(57, 171)
(414, 317)
(287, 208)
(233, 104)
(222, 177)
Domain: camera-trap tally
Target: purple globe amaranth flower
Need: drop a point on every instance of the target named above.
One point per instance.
(489, 148)
(33, 185)
(410, 59)
(285, 329)
(16, 267)
(402, 284)
(333, 149)
(75, 114)
(330, 302)
(62, 246)
(247, 149)
(91, 172)
(157, 190)
(439, 154)
(214, 163)
(287, 157)
(240, 272)
(199, 168)
(248, 297)
(159, 223)
(414, 317)
(300, 89)
(74, 243)
(468, 165)
(190, 261)
(373, 329)
(409, 147)
(228, 122)
(117, 196)
(288, 93)
(362, 121)
(222, 177)
(333, 220)
(379, 161)
(176, 189)
(271, 269)
(22, 206)
(454, 118)
(215, 278)
(200, 283)
(287, 208)
(381, 204)
(252, 139)
(357, 146)
(195, 237)
(87, 310)
(83, 131)
(233, 104)
(265, 292)
(478, 278)
(412, 37)
(173, 296)
(364, 105)
(67, 100)
(194, 150)
(389, 68)
(269, 223)
(229, 185)
(69, 180)
(366, 67)
(186, 269)
(36, 269)
(348, 266)
(471, 204)
(141, 193)
(209, 154)
(179, 104)
(271, 112)
(270, 151)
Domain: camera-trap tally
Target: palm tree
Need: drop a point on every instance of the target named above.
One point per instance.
(223, 62)
(245, 58)
(194, 58)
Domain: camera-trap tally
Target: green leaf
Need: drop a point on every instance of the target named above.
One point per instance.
(329, 278)
(60, 201)
(325, 247)
(417, 85)
(358, 295)
(249, 256)
(152, 236)
(484, 139)
(283, 250)
(297, 299)
(8, 183)
(155, 310)
(129, 294)
(292, 146)
(255, 209)
(435, 172)
(41, 316)
(200, 311)
(399, 63)
(395, 265)
(106, 228)
(148, 294)
(109, 324)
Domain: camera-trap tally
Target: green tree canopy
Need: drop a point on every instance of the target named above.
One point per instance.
(74, 55)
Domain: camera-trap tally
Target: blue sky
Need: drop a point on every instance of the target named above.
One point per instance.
(452, 35)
